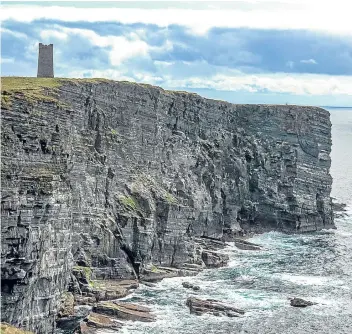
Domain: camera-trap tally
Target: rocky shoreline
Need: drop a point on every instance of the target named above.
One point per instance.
(98, 305)
(92, 304)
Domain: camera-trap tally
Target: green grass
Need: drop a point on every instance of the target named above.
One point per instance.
(87, 273)
(113, 132)
(170, 199)
(35, 89)
(19, 84)
(129, 202)
(31, 89)
(147, 181)
(155, 269)
(13, 84)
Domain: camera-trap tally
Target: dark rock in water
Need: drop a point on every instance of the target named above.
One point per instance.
(124, 311)
(105, 178)
(210, 250)
(338, 206)
(214, 259)
(339, 209)
(246, 245)
(298, 302)
(199, 306)
(188, 285)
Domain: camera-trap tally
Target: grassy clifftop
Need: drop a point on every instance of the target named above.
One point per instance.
(20, 84)
(32, 89)
(45, 89)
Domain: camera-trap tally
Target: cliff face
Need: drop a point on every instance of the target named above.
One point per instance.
(116, 175)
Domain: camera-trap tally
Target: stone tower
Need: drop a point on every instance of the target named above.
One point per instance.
(45, 61)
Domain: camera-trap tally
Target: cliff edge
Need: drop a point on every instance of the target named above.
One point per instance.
(116, 176)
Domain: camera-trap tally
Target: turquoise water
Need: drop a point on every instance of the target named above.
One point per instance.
(315, 266)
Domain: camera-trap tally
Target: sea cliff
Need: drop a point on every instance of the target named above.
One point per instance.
(117, 177)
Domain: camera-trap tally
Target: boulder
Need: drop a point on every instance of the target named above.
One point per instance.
(96, 320)
(211, 306)
(214, 259)
(299, 302)
(188, 285)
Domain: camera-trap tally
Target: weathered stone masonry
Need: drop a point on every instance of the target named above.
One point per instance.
(45, 61)
(118, 175)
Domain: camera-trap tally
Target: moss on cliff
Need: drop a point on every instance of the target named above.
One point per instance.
(129, 202)
(86, 272)
(170, 199)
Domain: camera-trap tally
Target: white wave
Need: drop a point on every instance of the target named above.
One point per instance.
(307, 280)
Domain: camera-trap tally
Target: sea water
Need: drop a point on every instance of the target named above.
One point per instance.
(314, 266)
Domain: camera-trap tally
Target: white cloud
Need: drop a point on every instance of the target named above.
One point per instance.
(298, 84)
(328, 16)
(47, 34)
(13, 33)
(163, 63)
(302, 84)
(7, 60)
(121, 47)
(308, 61)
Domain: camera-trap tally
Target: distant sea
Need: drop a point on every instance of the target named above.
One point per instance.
(315, 266)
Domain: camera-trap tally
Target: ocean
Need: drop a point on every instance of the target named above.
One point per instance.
(314, 266)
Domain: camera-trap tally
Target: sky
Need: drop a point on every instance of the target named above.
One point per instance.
(248, 51)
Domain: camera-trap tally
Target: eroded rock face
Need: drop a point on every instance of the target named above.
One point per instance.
(115, 176)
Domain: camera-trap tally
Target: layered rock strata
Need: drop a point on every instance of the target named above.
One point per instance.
(117, 176)
(199, 306)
